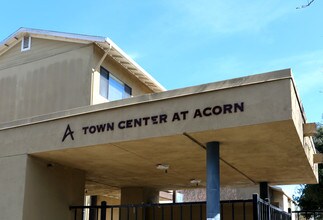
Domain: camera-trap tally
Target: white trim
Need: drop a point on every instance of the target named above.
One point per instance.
(23, 48)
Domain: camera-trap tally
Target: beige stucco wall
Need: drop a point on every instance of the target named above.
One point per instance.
(51, 76)
(299, 118)
(12, 185)
(50, 190)
(257, 98)
(32, 190)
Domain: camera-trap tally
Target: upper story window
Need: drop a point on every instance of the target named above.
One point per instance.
(26, 43)
(112, 88)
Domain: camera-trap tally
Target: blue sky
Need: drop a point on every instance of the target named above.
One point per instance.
(185, 42)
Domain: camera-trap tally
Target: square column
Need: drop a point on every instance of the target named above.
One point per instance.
(32, 189)
(264, 190)
(213, 181)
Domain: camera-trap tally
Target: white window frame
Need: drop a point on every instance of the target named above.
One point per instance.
(23, 48)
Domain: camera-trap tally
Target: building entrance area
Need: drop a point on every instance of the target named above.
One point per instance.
(107, 149)
(101, 150)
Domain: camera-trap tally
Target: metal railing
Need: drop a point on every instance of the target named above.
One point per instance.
(256, 209)
(308, 215)
(263, 210)
(172, 211)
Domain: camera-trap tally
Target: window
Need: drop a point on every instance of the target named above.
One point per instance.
(111, 87)
(25, 43)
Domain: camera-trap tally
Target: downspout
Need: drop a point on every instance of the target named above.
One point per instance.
(97, 69)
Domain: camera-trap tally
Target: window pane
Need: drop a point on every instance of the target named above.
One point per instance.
(25, 42)
(127, 91)
(116, 89)
(112, 88)
(104, 83)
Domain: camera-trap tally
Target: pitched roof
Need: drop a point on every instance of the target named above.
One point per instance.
(104, 43)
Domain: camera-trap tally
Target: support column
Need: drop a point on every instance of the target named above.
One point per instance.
(93, 212)
(264, 190)
(213, 181)
(50, 189)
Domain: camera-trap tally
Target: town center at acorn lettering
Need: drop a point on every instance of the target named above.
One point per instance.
(164, 118)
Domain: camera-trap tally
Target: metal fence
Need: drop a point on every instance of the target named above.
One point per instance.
(253, 209)
(263, 210)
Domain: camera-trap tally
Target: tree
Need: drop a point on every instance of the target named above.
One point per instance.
(311, 195)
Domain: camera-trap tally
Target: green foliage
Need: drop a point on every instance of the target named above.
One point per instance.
(318, 139)
(311, 195)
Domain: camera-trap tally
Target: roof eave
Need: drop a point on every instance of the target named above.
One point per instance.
(121, 57)
(127, 62)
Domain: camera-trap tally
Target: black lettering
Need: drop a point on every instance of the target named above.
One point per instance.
(207, 111)
(163, 118)
(137, 122)
(92, 129)
(101, 127)
(68, 132)
(129, 123)
(154, 119)
(197, 113)
(176, 117)
(239, 107)
(85, 129)
(227, 108)
(216, 110)
(184, 113)
(146, 120)
(121, 125)
(110, 126)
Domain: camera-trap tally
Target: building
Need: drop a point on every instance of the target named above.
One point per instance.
(79, 117)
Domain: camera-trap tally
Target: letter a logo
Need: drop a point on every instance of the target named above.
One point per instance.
(68, 132)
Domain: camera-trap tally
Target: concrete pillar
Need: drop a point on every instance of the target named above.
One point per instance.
(50, 189)
(35, 190)
(213, 181)
(12, 186)
(139, 195)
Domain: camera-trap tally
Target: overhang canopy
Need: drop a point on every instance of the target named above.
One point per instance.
(258, 121)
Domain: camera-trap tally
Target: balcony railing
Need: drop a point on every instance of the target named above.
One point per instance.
(253, 209)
